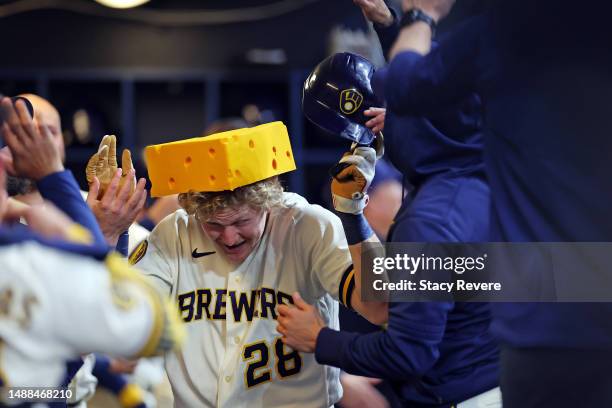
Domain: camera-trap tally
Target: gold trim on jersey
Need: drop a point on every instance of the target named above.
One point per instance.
(167, 330)
(347, 285)
(138, 253)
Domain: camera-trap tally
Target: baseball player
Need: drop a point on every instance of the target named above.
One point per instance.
(47, 293)
(50, 287)
(228, 259)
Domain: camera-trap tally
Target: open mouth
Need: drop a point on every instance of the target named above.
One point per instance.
(235, 247)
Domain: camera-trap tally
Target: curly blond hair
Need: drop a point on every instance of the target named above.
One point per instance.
(262, 195)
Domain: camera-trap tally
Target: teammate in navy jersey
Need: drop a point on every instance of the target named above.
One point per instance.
(441, 352)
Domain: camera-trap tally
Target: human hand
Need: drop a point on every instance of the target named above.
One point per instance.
(103, 165)
(299, 324)
(360, 392)
(6, 160)
(376, 11)
(436, 9)
(47, 220)
(377, 123)
(116, 211)
(352, 177)
(32, 149)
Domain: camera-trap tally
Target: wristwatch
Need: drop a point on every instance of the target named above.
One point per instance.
(414, 15)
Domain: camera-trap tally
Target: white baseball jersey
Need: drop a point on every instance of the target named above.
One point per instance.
(233, 355)
(56, 306)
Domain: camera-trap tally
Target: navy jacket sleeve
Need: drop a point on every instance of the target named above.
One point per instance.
(387, 35)
(123, 244)
(407, 349)
(62, 190)
(420, 85)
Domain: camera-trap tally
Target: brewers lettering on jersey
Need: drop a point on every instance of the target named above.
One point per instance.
(233, 355)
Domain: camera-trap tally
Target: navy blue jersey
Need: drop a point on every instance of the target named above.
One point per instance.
(62, 190)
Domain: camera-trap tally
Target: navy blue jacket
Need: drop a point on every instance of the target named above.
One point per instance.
(437, 353)
(545, 91)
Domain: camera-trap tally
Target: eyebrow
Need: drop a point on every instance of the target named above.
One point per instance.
(225, 225)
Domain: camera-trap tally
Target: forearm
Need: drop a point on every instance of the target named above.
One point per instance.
(387, 34)
(415, 37)
(62, 190)
(375, 312)
(408, 348)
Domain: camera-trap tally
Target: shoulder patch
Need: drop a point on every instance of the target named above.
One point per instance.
(138, 253)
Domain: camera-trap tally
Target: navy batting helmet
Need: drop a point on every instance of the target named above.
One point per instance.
(337, 92)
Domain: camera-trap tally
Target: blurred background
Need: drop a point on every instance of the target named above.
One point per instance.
(167, 69)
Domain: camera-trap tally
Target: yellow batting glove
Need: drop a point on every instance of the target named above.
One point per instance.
(352, 177)
(103, 165)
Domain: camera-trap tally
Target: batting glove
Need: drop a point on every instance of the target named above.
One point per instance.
(103, 165)
(352, 177)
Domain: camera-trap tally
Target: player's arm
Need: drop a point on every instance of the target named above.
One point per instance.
(121, 315)
(385, 21)
(64, 305)
(353, 176)
(417, 36)
(419, 80)
(405, 350)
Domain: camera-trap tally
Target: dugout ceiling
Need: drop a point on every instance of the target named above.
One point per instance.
(67, 38)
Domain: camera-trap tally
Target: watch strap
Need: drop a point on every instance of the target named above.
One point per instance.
(413, 15)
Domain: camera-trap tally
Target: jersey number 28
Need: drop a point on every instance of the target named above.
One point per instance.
(257, 356)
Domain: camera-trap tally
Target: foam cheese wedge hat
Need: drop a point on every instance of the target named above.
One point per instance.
(222, 161)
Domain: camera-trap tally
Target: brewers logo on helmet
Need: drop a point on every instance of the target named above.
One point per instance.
(350, 101)
(336, 94)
